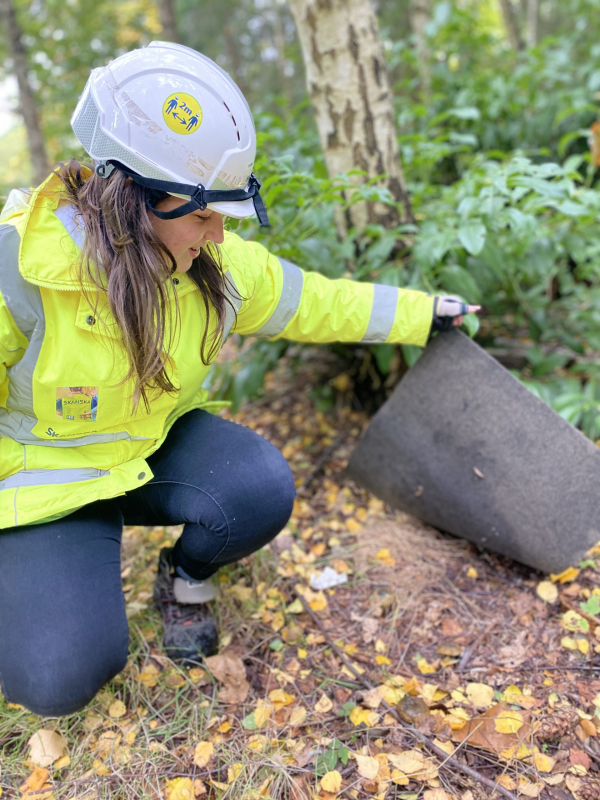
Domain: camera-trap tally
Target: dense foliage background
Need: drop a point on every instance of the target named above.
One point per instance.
(498, 146)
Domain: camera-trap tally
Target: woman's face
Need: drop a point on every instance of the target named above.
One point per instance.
(185, 236)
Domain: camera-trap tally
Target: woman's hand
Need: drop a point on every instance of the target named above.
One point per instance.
(448, 312)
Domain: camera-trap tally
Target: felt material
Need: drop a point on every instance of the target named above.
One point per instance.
(464, 446)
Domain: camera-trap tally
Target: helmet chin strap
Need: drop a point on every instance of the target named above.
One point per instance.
(199, 196)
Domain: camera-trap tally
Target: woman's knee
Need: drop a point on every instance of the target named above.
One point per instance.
(57, 684)
(275, 500)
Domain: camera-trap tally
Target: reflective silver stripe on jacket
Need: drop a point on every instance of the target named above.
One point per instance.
(233, 294)
(49, 477)
(383, 314)
(73, 225)
(24, 303)
(19, 427)
(289, 301)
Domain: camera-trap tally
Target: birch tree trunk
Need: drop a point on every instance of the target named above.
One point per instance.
(420, 14)
(511, 25)
(27, 104)
(349, 88)
(532, 22)
(167, 20)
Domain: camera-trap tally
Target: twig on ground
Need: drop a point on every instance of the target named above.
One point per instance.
(438, 752)
(466, 656)
(324, 459)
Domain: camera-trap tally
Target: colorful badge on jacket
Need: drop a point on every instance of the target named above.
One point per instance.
(77, 403)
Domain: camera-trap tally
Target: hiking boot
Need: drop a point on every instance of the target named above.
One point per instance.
(190, 630)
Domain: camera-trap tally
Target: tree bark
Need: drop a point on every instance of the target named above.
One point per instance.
(420, 13)
(27, 103)
(532, 22)
(511, 25)
(349, 88)
(167, 20)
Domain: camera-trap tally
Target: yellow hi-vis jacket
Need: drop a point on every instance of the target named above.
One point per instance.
(68, 435)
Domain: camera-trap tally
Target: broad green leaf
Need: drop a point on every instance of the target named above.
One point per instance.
(471, 235)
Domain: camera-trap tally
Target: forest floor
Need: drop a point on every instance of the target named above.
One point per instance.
(434, 671)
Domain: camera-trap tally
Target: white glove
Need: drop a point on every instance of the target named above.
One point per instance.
(448, 312)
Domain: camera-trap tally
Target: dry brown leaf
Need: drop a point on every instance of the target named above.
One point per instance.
(299, 788)
(436, 794)
(579, 757)
(229, 670)
(481, 731)
(528, 789)
(370, 627)
(46, 747)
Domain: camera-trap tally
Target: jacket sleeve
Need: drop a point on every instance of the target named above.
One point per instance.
(279, 300)
(13, 344)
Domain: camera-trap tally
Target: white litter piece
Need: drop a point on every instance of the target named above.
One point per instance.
(327, 579)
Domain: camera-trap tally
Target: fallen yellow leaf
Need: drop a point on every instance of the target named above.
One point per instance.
(331, 782)
(543, 763)
(323, 705)
(262, 712)
(203, 752)
(425, 668)
(399, 778)
(148, 677)
(368, 767)
(507, 782)
(508, 721)
(360, 716)
(180, 789)
(280, 698)
(547, 591)
(385, 557)
(234, 771)
(298, 716)
(573, 621)
(278, 621)
(117, 709)
(577, 643)
(35, 781)
(472, 573)
(447, 747)
(480, 694)
(566, 576)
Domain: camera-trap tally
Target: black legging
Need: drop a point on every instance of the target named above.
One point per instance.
(63, 630)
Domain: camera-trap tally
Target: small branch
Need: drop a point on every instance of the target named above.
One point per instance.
(444, 758)
(324, 459)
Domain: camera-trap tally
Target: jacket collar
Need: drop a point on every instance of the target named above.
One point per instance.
(52, 237)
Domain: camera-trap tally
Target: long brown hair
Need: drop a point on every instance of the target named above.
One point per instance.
(123, 258)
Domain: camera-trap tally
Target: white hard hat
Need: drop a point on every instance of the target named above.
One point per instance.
(175, 122)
